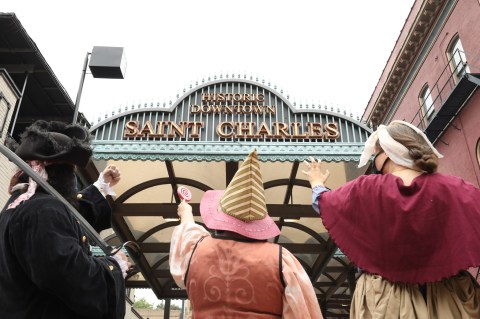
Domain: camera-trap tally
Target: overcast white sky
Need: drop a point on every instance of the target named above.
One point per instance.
(318, 51)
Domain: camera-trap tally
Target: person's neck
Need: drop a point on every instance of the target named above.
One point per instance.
(405, 173)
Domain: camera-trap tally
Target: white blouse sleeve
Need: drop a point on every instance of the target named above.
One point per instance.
(184, 238)
(299, 299)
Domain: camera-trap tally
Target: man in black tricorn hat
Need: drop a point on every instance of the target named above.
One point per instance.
(46, 268)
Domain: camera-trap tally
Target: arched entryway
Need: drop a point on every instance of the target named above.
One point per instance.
(198, 141)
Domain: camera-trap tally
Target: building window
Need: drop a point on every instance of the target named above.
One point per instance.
(457, 59)
(426, 104)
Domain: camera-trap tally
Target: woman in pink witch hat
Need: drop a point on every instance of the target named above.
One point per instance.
(236, 272)
(411, 230)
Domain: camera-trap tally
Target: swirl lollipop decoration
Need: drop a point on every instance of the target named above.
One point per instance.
(184, 193)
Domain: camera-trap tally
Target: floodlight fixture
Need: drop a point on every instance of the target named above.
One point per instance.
(105, 63)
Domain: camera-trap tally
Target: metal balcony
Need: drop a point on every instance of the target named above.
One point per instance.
(449, 94)
(452, 105)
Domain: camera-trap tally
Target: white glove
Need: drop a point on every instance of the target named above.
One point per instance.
(103, 186)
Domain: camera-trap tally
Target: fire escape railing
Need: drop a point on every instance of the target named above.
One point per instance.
(446, 98)
(439, 92)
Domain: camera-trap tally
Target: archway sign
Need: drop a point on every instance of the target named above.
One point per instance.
(198, 142)
(223, 120)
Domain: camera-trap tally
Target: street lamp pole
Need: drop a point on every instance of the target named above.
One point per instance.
(80, 88)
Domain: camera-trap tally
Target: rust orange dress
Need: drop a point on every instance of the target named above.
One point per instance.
(246, 284)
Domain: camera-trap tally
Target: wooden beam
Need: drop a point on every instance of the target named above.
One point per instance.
(160, 181)
(169, 210)
(291, 182)
(288, 195)
(352, 282)
(230, 169)
(292, 247)
(121, 228)
(172, 180)
(323, 260)
(338, 282)
(327, 284)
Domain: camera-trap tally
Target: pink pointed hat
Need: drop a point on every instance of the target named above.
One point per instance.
(241, 207)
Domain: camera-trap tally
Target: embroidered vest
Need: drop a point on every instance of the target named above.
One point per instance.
(233, 279)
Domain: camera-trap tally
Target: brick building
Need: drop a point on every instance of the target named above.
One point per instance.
(431, 80)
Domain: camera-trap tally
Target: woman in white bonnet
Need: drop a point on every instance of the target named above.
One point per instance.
(412, 231)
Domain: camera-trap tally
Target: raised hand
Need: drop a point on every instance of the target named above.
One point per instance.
(111, 175)
(314, 172)
(184, 211)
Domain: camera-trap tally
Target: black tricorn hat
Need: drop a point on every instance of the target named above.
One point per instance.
(55, 142)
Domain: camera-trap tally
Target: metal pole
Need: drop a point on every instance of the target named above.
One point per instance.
(166, 310)
(80, 88)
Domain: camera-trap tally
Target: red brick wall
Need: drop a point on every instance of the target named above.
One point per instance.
(460, 153)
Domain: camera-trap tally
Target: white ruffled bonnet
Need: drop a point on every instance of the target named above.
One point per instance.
(396, 151)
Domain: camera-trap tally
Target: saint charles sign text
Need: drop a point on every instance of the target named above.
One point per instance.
(232, 103)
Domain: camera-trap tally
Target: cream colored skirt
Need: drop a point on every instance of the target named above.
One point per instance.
(457, 297)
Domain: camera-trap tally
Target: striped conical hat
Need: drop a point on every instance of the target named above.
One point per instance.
(241, 207)
(244, 197)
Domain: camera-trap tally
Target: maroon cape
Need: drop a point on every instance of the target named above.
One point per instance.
(413, 234)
